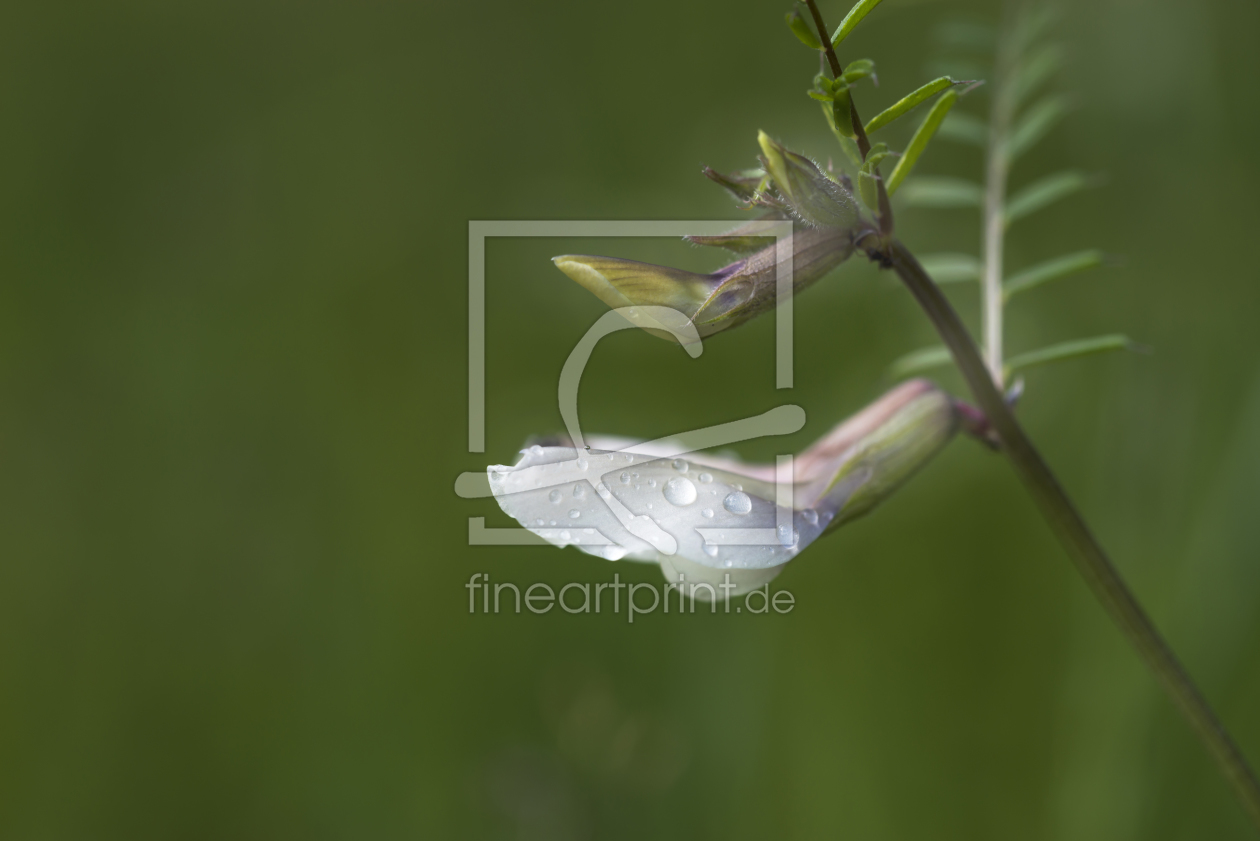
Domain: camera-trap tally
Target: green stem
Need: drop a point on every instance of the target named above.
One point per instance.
(859, 131)
(1090, 559)
(995, 172)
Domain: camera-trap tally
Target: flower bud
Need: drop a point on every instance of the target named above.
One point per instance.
(716, 301)
(811, 195)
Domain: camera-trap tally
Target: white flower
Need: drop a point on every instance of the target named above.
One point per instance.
(707, 516)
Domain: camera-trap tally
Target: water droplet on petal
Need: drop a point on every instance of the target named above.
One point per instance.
(680, 465)
(555, 496)
(708, 512)
(629, 458)
(787, 535)
(705, 478)
(603, 491)
(564, 535)
(582, 463)
(539, 522)
(710, 550)
(737, 486)
(651, 483)
(553, 522)
(574, 514)
(810, 516)
(680, 491)
(579, 492)
(625, 478)
(737, 503)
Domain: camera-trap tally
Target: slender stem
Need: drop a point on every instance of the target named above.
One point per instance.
(859, 131)
(996, 168)
(1090, 559)
(864, 144)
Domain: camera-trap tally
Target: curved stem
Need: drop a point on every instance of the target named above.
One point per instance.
(1090, 559)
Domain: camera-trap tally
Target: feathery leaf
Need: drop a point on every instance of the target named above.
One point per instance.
(908, 102)
(920, 140)
(1036, 124)
(951, 268)
(940, 191)
(1070, 350)
(860, 10)
(916, 361)
(1034, 276)
(1044, 192)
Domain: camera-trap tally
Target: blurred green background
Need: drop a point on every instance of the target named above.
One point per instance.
(232, 409)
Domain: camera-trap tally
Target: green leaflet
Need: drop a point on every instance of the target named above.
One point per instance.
(802, 30)
(951, 268)
(916, 361)
(1035, 70)
(858, 70)
(860, 10)
(848, 144)
(920, 140)
(868, 176)
(1069, 350)
(908, 102)
(1044, 192)
(962, 127)
(1036, 124)
(1035, 276)
(938, 191)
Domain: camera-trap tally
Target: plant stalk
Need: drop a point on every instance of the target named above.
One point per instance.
(996, 168)
(1090, 559)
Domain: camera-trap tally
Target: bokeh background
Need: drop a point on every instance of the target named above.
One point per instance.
(232, 410)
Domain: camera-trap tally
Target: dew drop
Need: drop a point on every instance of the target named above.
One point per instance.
(708, 512)
(582, 463)
(651, 483)
(603, 491)
(555, 496)
(564, 535)
(680, 465)
(579, 492)
(679, 491)
(625, 478)
(710, 550)
(629, 458)
(737, 502)
(553, 522)
(787, 535)
(539, 522)
(737, 486)
(810, 516)
(705, 478)
(574, 514)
